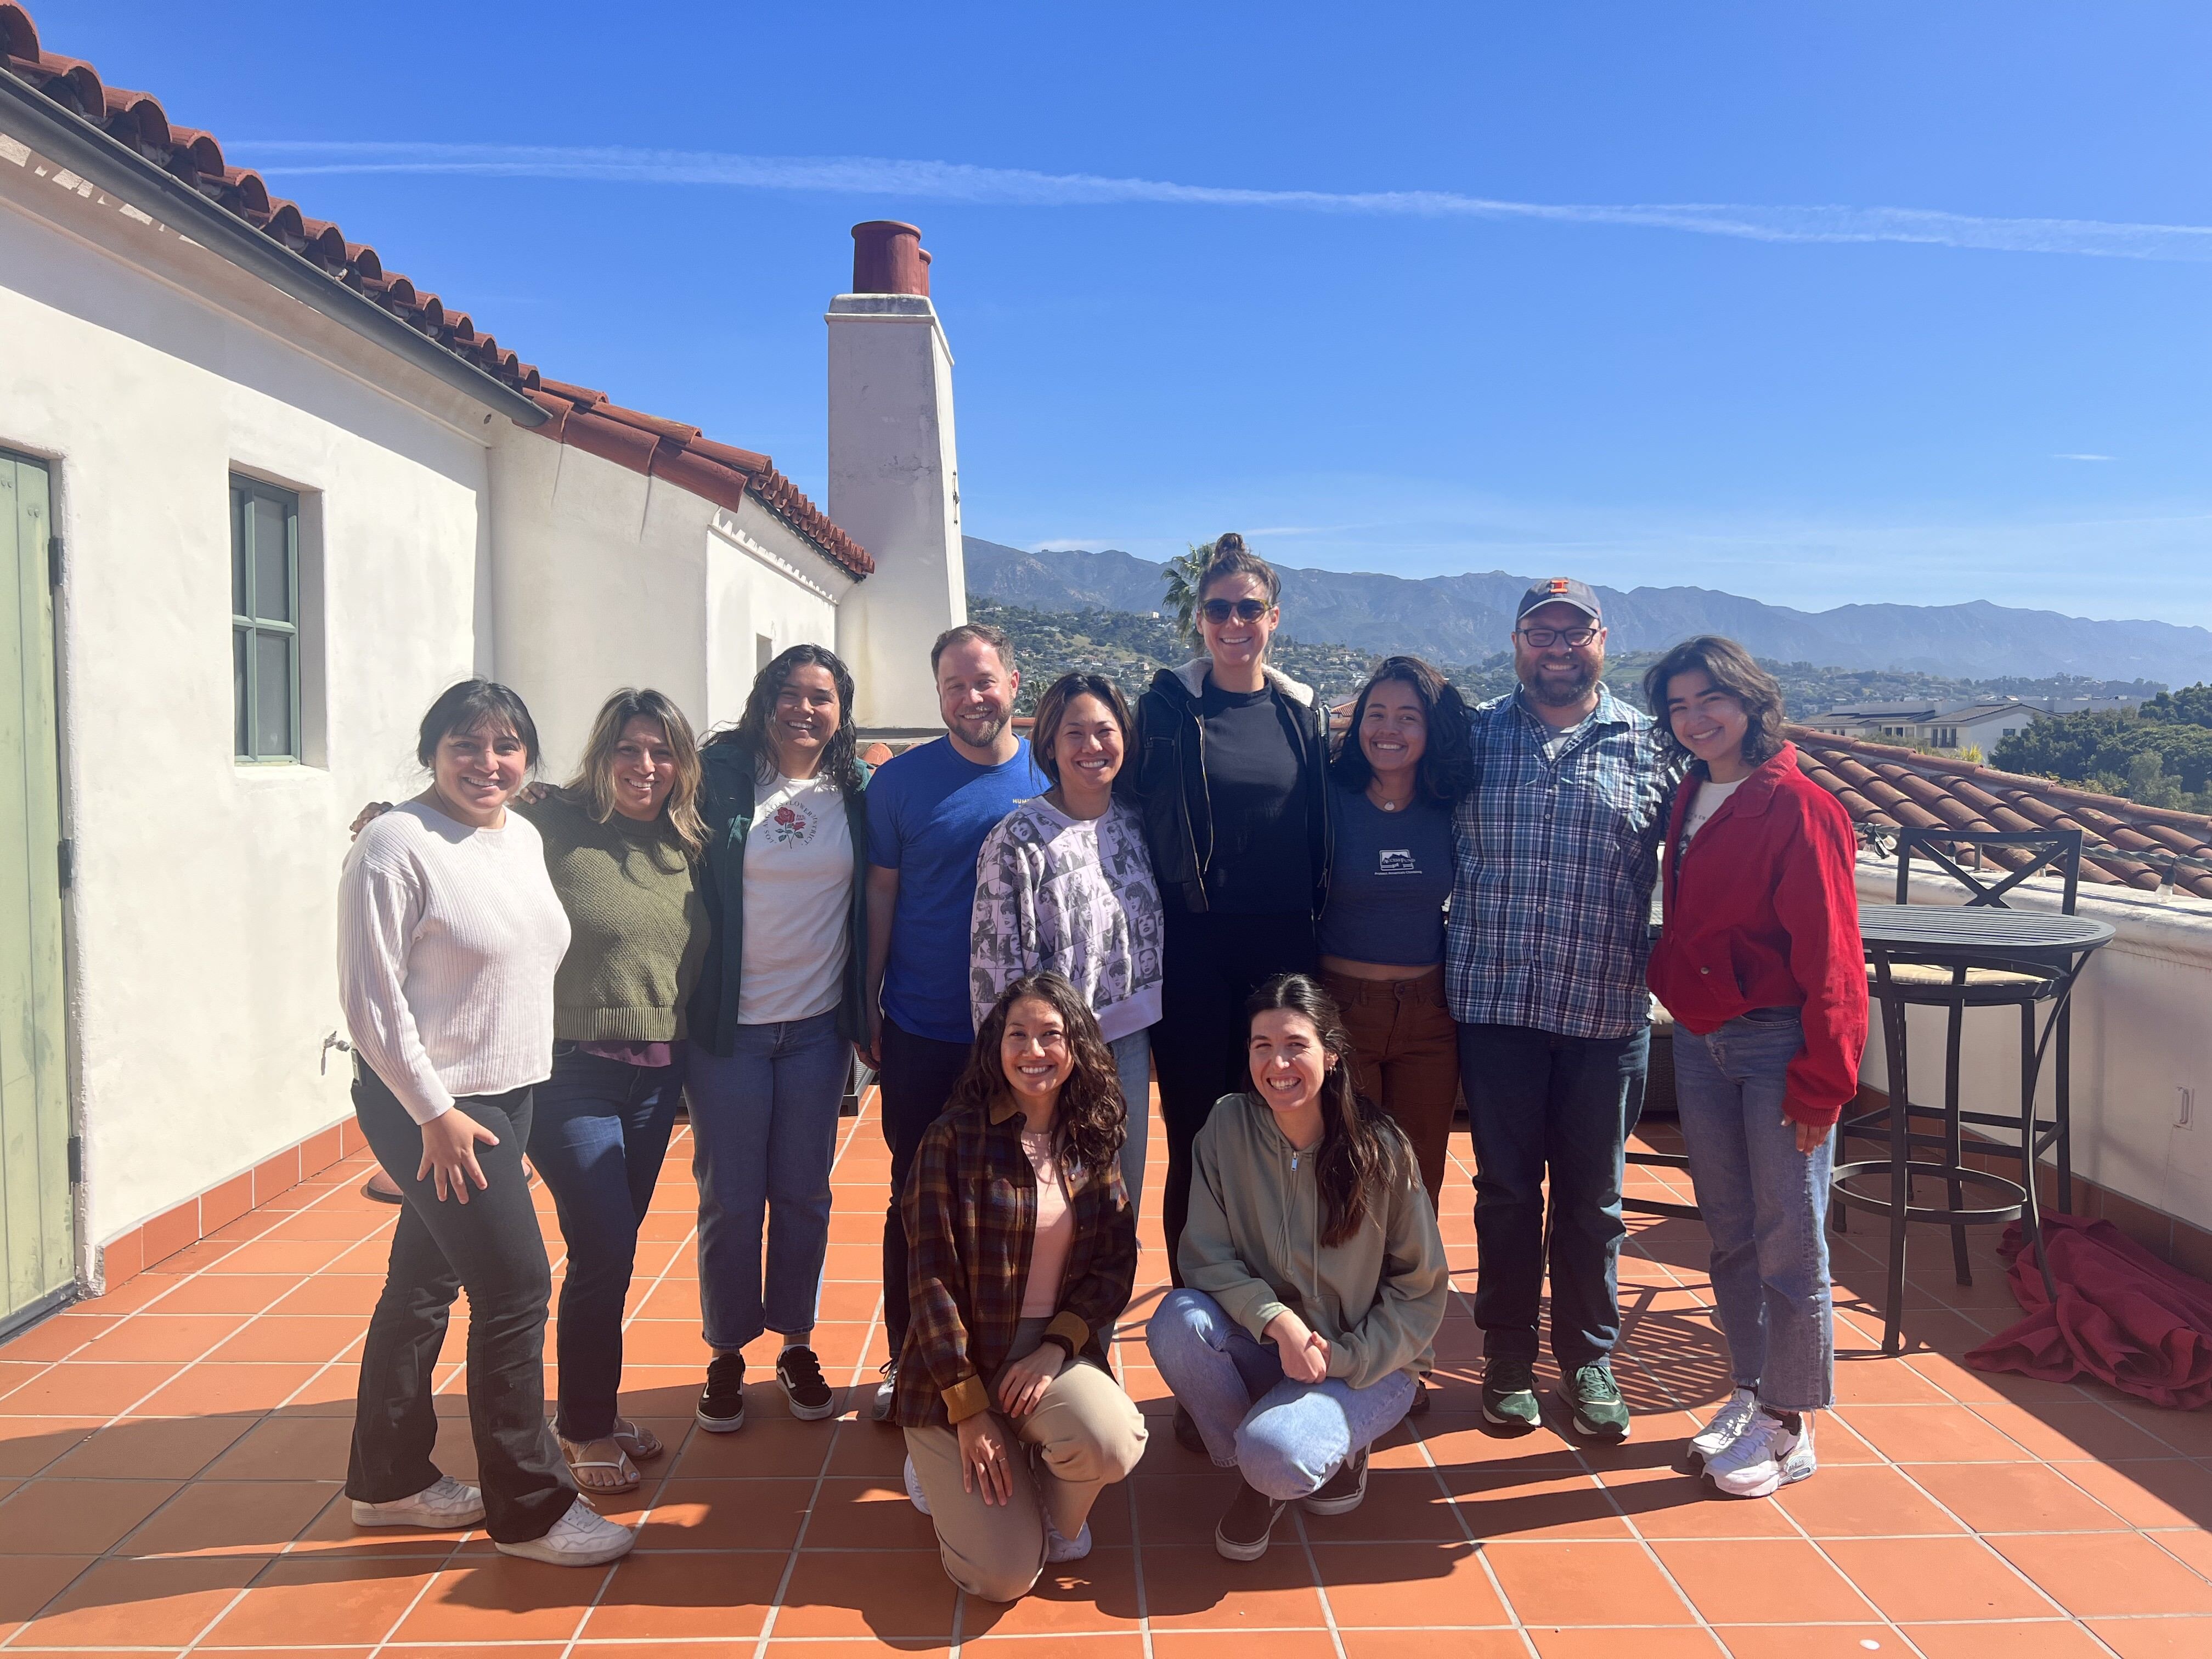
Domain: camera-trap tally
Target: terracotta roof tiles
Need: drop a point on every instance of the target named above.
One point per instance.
(721, 473)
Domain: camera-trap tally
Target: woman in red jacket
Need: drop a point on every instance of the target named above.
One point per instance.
(1761, 966)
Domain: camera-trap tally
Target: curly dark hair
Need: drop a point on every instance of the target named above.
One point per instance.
(1092, 1120)
(1363, 1153)
(1447, 764)
(1732, 668)
(841, 755)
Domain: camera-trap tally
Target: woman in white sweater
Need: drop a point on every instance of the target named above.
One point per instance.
(1064, 885)
(449, 935)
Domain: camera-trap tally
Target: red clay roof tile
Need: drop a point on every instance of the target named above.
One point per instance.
(722, 473)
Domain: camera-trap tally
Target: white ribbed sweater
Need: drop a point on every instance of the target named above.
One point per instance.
(448, 938)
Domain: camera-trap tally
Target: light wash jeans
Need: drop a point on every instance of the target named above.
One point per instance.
(1287, 1438)
(1133, 1059)
(1765, 1204)
(763, 1134)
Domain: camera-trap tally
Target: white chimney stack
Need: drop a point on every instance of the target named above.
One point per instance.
(894, 476)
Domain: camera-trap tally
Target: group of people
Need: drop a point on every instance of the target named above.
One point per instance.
(1314, 943)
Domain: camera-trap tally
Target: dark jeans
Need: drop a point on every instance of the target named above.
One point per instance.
(489, 1246)
(916, 1078)
(1536, 1099)
(1211, 962)
(600, 1134)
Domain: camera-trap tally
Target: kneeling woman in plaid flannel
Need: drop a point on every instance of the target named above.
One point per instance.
(1022, 1251)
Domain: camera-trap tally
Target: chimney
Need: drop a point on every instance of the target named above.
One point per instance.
(894, 476)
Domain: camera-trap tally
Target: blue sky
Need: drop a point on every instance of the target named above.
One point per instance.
(1950, 251)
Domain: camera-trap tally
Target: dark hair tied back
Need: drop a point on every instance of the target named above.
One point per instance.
(1230, 557)
(472, 705)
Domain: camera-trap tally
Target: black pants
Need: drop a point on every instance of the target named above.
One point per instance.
(489, 1246)
(1211, 963)
(916, 1078)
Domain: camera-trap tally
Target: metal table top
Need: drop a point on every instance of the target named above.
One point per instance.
(1940, 934)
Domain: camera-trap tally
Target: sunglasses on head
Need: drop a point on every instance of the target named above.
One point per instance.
(1247, 611)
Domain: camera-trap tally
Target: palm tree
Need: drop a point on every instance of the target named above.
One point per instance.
(1182, 574)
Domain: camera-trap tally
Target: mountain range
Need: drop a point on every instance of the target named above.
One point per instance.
(1468, 618)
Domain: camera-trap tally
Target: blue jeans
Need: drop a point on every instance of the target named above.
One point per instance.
(763, 1134)
(1287, 1438)
(1133, 1059)
(1765, 1204)
(599, 1135)
(1536, 1100)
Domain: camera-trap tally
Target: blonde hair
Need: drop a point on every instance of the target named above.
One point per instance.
(595, 774)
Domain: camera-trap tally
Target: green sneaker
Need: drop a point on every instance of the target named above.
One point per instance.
(1508, 1393)
(1594, 1399)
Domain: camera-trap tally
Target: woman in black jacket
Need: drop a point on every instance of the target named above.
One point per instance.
(1232, 773)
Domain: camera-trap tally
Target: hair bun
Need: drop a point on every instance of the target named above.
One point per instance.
(1228, 542)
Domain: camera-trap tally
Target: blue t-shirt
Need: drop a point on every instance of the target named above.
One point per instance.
(929, 810)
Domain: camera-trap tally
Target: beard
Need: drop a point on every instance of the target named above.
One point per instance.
(982, 730)
(1561, 691)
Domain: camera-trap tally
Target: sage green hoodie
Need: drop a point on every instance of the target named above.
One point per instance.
(1253, 1243)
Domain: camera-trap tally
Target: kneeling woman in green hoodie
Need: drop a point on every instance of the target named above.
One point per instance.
(1316, 1278)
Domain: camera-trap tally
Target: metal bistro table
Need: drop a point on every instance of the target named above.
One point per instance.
(1982, 956)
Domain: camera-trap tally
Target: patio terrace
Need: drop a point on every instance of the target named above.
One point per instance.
(170, 1457)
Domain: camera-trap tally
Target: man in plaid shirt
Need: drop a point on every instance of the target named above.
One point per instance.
(1557, 847)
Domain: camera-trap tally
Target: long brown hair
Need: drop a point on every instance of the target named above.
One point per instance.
(1092, 1121)
(1363, 1154)
(840, 756)
(594, 782)
(1731, 669)
(1447, 765)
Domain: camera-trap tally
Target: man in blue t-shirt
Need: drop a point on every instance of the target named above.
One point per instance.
(929, 810)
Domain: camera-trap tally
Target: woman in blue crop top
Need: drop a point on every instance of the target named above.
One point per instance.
(1397, 769)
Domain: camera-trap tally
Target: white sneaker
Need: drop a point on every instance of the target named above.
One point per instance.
(581, 1538)
(1730, 1420)
(1766, 1456)
(1057, 1548)
(444, 1506)
(914, 1494)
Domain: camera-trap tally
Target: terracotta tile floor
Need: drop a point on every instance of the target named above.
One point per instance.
(170, 1458)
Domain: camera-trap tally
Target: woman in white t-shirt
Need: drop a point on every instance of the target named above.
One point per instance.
(778, 1003)
(1064, 885)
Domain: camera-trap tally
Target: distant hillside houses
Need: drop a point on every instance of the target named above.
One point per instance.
(1952, 728)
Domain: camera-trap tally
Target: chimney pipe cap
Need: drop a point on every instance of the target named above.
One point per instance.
(887, 258)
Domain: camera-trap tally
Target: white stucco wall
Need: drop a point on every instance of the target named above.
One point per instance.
(145, 370)
(895, 488)
(2142, 1033)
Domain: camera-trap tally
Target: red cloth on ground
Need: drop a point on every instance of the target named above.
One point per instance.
(2123, 1316)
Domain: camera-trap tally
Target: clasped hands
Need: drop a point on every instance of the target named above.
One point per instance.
(984, 1446)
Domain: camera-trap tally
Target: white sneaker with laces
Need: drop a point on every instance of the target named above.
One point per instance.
(581, 1538)
(1730, 1420)
(1766, 1456)
(914, 1494)
(442, 1506)
(1057, 1548)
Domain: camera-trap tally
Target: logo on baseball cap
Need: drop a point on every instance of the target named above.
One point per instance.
(1560, 589)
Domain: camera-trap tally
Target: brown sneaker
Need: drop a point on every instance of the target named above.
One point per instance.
(1251, 1516)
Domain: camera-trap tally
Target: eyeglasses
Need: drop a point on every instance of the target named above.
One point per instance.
(1218, 611)
(1542, 638)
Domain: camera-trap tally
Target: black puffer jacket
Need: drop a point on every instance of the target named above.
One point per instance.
(1166, 780)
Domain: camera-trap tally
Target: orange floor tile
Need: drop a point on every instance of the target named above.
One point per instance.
(170, 1465)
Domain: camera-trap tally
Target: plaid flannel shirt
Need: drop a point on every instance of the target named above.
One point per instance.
(1555, 852)
(970, 1214)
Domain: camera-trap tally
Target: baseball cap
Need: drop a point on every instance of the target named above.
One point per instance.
(1560, 589)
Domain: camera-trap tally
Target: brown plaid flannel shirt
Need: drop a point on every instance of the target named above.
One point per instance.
(970, 1212)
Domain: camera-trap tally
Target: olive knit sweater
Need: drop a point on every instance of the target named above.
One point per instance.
(638, 925)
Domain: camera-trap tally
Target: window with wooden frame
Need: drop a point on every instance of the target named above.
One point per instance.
(265, 620)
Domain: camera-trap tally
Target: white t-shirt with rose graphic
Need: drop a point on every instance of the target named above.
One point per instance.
(798, 890)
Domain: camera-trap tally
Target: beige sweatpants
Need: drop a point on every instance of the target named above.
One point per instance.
(1086, 1433)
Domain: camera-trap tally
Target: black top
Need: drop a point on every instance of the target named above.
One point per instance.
(1261, 865)
(1944, 934)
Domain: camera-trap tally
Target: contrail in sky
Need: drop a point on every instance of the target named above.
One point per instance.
(951, 181)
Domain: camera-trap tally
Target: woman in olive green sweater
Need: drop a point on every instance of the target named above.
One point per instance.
(1314, 1275)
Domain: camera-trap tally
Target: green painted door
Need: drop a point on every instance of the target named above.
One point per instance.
(38, 1250)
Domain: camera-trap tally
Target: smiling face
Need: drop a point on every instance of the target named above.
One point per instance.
(1288, 1060)
(644, 769)
(975, 692)
(476, 772)
(805, 717)
(1707, 721)
(1558, 674)
(1034, 1054)
(1087, 744)
(1393, 729)
(1239, 640)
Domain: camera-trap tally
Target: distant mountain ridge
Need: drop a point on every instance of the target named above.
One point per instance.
(1469, 618)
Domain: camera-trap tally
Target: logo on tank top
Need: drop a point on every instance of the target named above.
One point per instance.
(1396, 861)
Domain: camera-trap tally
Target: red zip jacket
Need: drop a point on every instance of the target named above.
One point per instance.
(1763, 913)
